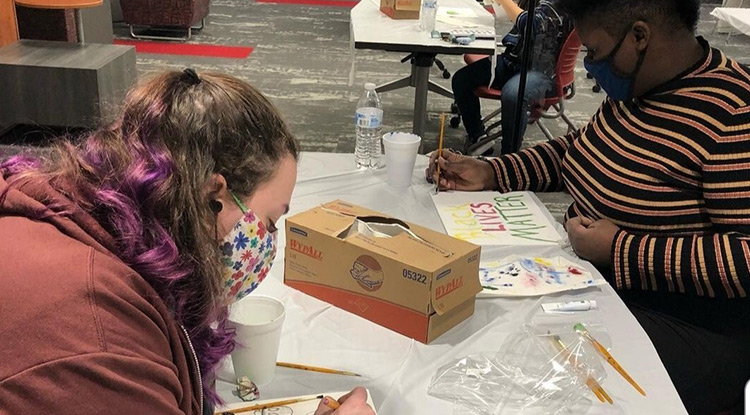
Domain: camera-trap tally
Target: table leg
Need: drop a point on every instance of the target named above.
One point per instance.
(394, 85)
(79, 26)
(440, 90)
(422, 64)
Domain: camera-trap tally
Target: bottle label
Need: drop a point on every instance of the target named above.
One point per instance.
(368, 118)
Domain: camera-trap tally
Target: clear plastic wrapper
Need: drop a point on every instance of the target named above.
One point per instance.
(542, 369)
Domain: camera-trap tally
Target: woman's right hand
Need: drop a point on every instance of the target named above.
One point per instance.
(353, 403)
(458, 172)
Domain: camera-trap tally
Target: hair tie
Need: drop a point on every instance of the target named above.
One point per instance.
(192, 75)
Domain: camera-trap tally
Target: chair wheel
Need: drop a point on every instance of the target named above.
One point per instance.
(446, 74)
(597, 88)
(588, 75)
(454, 108)
(455, 121)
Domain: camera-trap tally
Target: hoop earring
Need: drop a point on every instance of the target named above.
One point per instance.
(216, 206)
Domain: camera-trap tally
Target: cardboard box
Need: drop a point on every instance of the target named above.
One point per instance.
(401, 9)
(415, 281)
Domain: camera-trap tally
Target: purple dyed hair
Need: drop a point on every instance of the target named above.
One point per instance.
(143, 178)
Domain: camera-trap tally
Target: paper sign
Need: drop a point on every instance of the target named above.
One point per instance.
(492, 218)
(529, 276)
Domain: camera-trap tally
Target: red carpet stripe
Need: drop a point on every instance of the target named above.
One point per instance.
(187, 49)
(333, 3)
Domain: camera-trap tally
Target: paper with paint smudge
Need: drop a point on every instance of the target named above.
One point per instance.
(517, 276)
(492, 218)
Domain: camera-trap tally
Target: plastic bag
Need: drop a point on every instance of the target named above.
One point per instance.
(540, 369)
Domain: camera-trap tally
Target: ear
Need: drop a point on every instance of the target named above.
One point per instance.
(642, 34)
(216, 186)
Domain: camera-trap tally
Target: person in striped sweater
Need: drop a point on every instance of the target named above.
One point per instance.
(660, 180)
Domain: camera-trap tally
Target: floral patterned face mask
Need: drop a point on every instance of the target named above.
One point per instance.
(247, 254)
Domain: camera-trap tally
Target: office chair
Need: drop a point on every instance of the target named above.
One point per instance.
(596, 87)
(564, 89)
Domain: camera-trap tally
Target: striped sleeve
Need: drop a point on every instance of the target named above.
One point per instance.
(715, 263)
(537, 169)
(712, 265)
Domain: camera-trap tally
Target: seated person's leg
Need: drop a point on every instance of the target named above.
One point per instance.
(465, 80)
(537, 85)
(702, 343)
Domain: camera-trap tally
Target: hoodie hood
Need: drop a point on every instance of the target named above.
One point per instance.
(36, 199)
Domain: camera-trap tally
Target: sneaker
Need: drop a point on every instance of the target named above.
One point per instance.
(478, 142)
(470, 141)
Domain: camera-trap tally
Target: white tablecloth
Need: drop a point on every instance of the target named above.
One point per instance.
(736, 17)
(396, 369)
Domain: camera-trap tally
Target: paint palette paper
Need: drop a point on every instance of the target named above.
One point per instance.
(529, 276)
(299, 408)
(492, 218)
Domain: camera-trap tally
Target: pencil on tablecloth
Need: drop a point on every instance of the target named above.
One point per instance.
(440, 149)
(262, 406)
(331, 403)
(580, 328)
(316, 369)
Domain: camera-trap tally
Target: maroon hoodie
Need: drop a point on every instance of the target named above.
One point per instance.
(81, 332)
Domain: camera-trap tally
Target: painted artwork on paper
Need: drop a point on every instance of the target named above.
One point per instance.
(529, 276)
(492, 218)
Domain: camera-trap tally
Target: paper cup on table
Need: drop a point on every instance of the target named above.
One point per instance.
(400, 155)
(257, 320)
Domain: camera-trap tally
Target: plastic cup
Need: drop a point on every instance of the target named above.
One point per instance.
(400, 156)
(257, 320)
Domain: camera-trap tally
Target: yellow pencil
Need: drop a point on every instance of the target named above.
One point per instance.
(610, 359)
(262, 406)
(440, 149)
(595, 387)
(332, 403)
(316, 369)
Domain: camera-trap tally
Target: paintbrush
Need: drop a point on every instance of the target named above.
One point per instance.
(595, 387)
(316, 369)
(580, 328)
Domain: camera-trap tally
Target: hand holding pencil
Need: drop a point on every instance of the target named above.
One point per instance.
(353, 403)
(440, 150)
(458, 172)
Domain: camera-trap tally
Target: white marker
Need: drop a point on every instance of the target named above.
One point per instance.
(569, 306)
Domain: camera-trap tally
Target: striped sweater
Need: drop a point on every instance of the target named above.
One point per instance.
(671, 169)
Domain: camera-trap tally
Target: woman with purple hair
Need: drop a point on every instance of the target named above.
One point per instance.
(120, 255)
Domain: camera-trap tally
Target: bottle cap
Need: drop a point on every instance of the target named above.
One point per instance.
(369, 86)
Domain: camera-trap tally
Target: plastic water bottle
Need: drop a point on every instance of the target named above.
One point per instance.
(368, 123)
(427, 15)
